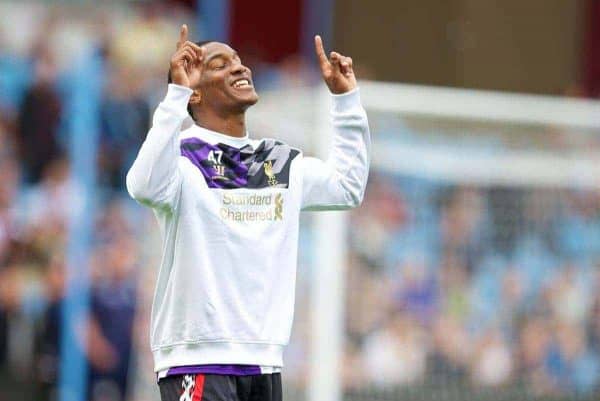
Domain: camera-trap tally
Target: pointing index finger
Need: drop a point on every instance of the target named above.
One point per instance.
(320, 52)
(183, 34)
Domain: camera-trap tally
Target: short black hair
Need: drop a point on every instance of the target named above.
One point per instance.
(170, 80)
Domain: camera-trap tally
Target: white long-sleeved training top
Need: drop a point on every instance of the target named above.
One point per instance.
(228, 211)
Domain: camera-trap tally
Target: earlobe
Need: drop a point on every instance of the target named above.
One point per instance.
(196, 97)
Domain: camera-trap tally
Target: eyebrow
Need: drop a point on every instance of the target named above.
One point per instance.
(221, 54)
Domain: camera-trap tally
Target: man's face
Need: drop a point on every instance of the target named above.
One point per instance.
(225, 83)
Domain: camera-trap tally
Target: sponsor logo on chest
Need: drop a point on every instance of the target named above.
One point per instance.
(251, 207)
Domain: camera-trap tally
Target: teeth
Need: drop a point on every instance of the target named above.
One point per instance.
(241, 83)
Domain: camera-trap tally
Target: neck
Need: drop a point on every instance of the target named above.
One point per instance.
(233, 124)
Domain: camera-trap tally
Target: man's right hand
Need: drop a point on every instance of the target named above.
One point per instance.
(186, 63)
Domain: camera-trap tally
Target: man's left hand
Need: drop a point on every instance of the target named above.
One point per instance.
(336, 71)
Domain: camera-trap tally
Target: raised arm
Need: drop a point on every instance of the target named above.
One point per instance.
(154, 178)
(340, 181)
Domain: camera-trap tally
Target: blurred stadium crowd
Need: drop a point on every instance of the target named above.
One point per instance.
(489, 287)
(485, 286)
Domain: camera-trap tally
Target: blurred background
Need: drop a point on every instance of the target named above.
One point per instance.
(471, 271)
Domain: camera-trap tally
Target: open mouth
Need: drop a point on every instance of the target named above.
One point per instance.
(242, 83)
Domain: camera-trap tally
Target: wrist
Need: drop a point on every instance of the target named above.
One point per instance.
(340, 90)
(179, 77)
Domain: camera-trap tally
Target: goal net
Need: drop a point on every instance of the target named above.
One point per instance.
(472, 269)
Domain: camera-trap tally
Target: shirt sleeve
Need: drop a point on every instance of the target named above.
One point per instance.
(154, 178)
(340, 181)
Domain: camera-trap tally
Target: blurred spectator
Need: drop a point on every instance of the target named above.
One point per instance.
(396, 353)
(534, 340)
(147, 29)
(9, 250)
(47, 207)
(578, 234)
(352, 378)
(461, 226)
(11, 291)
(39, 117)
(417, 291)
(374, 304)
(384, 214)
(125, 120)
(113, 308)
(453, 286)
(9, 184)
(493, 361)
(569, 365)
(569, 300)
(450, 350)
(47, 346)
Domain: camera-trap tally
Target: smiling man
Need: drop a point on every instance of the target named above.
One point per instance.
(228, 210)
